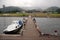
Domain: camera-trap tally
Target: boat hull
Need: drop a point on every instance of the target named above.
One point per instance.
(13, 31)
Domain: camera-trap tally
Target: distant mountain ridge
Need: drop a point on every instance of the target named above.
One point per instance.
(28, 9)
(18, 9)
(10, 9)
(54, 8)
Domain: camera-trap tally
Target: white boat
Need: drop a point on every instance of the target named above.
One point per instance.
(15, 27)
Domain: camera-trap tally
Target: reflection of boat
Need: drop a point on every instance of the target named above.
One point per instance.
(15, 27)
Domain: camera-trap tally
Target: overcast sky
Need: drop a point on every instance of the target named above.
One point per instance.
(30, 3)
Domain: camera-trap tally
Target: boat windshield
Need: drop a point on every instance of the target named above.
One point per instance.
(20, 22)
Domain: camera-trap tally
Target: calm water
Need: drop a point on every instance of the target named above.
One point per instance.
(48, 25)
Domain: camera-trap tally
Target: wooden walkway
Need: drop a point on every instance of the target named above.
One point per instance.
(29, 33)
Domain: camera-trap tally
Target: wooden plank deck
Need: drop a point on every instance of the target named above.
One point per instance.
(29, 33)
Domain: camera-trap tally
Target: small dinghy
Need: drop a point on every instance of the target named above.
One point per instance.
(15, 27)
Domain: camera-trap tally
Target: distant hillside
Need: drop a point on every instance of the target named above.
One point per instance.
(58, 10)
(52, 9)
(10, 9)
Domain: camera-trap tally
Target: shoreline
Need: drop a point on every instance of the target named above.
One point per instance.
(27, 16)
(39, 15)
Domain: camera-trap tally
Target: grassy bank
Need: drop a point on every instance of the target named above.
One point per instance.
(27, 14)
(46, 15)
(14, 15)
(55, 15)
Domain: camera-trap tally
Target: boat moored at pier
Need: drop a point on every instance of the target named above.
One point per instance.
(15, 27)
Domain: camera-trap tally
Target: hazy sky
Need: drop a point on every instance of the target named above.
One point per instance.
(30, 3)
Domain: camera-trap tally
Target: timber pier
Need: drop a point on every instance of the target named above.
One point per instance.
(29, 32)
